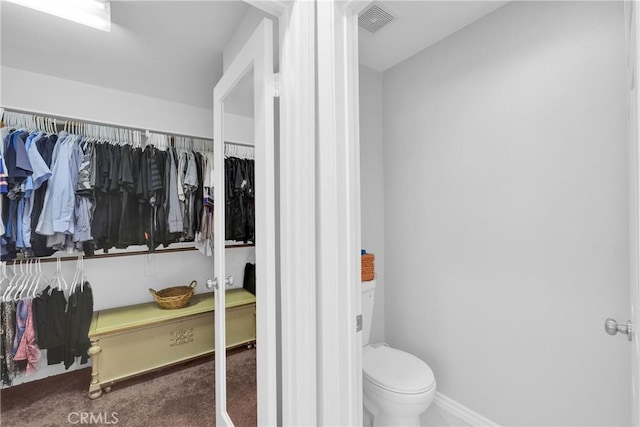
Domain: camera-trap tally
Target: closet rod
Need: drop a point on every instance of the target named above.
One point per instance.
(94, 122)
(240, 144)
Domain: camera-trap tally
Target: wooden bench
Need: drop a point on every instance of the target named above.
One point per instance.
(133, 340)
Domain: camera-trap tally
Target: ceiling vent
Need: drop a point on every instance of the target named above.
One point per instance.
(373, 18)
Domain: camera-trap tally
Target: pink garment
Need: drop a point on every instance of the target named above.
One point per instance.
(28, 348)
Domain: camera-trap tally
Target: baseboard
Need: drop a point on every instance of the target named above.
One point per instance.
(45, 371)
(450, 406)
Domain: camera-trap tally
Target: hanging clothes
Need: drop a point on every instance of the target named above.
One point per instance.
(189, 186)
(150, 195)
(204, 237)
(240, 199)
(84, 199)
(18, 168)
(22, 313)
(100, 221)
(4, 185)
(45, 146)
(27, 350)
(39, 177)
(175, 220)
(66, 192)
(46, 322)
(7, 316)
(57, 220)
(112, 188)
(40, 317)
(129, 222)
(78, 321)
(56, 329)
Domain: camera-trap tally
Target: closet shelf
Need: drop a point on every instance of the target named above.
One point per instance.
(74, 257)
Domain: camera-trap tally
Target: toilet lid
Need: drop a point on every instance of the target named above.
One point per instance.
(396, 371)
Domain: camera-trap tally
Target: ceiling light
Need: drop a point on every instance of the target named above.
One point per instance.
(94, 13)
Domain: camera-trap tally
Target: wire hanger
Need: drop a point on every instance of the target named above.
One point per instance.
(18, 285)
(37, 280)
(83, 276)
(78, 276)
(58, 278)
(238, 151)
(27, 282)
(4, 277)
(7, 292)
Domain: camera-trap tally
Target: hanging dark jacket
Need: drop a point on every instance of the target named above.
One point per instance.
(38, 242)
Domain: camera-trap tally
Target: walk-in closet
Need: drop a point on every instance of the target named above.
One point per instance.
(108, 198)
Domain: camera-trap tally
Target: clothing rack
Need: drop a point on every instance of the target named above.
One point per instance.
(55, 123)
(62, 120)
(51, 123)
(244, 151)
(239, 144)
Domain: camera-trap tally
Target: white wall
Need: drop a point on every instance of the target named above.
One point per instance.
(239, 128)
(371, 185)
(68, 98)
(42, 93)
(505, 189)
(245, 29)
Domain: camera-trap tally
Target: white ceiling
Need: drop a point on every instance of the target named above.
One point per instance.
(172, 50)
(165, 49)
(417, 25)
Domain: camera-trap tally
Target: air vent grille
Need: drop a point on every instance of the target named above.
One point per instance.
(374, 18)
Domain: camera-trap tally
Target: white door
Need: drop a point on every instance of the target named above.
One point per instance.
(632, 14)
(255, 57)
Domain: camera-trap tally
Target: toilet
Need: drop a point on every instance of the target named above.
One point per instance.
(398, 386)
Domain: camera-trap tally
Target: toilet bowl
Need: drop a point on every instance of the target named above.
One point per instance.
(398, 387)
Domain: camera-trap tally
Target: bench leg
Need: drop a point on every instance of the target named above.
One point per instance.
(95, 391)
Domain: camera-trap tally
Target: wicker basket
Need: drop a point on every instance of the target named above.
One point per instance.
(175, 297)
(368, 267)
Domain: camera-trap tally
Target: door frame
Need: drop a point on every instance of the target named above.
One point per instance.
(339, 238)
(319, 216)
(632, 17)
(293, 402)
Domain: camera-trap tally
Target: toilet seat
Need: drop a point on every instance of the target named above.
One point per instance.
(396, 371)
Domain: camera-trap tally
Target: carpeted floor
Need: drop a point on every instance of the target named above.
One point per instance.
(180, 396)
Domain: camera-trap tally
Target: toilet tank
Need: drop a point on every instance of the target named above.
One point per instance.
(368, 293)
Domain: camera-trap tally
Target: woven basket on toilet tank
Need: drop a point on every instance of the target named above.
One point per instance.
(368, 267)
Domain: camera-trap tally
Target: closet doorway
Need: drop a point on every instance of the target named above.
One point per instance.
(154, 71)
